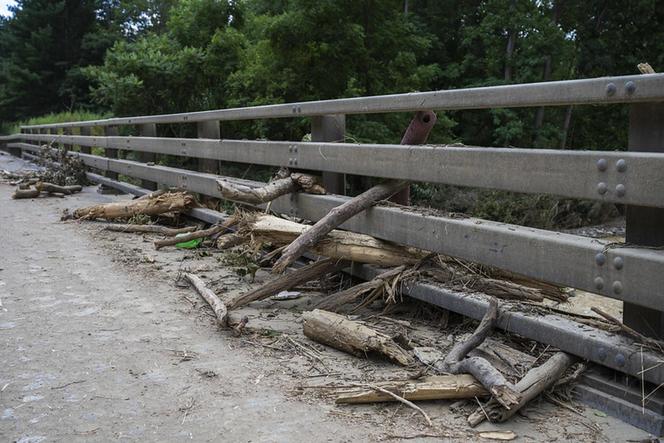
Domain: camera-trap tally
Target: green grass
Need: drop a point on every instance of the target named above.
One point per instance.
(60, 117)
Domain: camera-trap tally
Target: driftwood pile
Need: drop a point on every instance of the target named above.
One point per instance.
(460, 374)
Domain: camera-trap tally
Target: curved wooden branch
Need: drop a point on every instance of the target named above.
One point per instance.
(155, 229)
(272, 190)
(158, 244)
(210, 297)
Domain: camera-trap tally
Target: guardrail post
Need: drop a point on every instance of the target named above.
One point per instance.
(148, 130)
(330, 128)
(85, 131)
(645, 225)
(208, 129)
(67, 147)
(111, 131)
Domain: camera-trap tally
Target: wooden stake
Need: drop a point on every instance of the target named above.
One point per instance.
(531, 385)
(353, 337)
(210, 297)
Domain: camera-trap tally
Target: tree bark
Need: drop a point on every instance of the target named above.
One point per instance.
(531, 385)
(353, 337)
(456, 361)
(307, 273)
(436, 387)
(168, 202)
(210, 297)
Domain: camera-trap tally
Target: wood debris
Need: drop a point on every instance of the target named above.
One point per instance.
(45, 188)
(164, 203)
(284, 183)
(353, 337)
(148, 229)
(211, 298)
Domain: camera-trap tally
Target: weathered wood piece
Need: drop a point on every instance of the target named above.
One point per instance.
(272, 190)
(161, 204)
(654, 343)
(416, 133)
(210, 297)
(456, 361)
(335, 301)
(152, 229)
(404, 401)
(229, 240)
(535, 382)
(336, 244)
(53, 189)
(353, 337)
(304, 274)
(216, 229)
(436, 387)
(25, 193)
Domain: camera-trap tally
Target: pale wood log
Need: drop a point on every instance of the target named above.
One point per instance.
(167, 202)
(535, 382)
(210, 297)
(52, 188)
(229, 240)
(25, 193)
(272, 190)
(304, 274)
(336, 244)
(353, 337)
(436, 387)
(152, 229)
(456, 361)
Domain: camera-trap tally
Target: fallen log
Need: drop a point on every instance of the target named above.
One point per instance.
(456, 361)
(272, 190)
(151, 229)
(336, 244)
(436, 387)
(353, 337)
(210, 297)
(216, 229)
(304, 274)
(416, 133)
(56, 189)
(167, 202)
(535, 382)
(25, 193)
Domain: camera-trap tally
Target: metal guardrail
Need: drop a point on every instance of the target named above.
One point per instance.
(620, 177)
(605, 90)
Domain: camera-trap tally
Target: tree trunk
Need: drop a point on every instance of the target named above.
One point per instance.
(168, 202)
(353, 337)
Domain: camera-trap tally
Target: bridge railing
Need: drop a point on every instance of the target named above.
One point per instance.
(631, 272)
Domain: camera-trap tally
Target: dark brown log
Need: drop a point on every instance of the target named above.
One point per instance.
(153, 229)
(25, 193)
(304, 274)
(353, 337)
(456, 361)
(158, 244)
(535, 382)
(272, 190)
(416, 133)
(210, 297)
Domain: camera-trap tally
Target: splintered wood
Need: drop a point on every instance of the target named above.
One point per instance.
(276, 188)
(353, 337)
(161, 204)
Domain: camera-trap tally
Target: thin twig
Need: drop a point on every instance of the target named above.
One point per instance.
(410, 404)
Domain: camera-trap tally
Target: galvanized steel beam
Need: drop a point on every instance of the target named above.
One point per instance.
(604, 90)
(620, 177)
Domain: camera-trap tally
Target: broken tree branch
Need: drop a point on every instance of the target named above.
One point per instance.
(25, 193)
(436, 387)
(56, 189)
(456, 361)
(353, 337)
(657, 344)
(167, 202)
(304, 274)
(153, 229)
(216, 229)
(535, 382)
(210, 297)
(272, 190)
(417, 133)
(404, 401)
